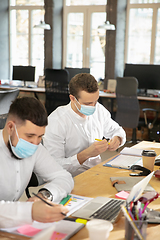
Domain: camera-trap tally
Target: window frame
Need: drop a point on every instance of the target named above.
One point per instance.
(29, 8)
(87, 10)
(155, 7)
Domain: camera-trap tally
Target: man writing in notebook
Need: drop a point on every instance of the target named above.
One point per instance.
(72, 129)
(21, 154)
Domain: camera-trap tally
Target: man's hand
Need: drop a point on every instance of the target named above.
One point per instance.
(92, 151)
(35, 199)
(42, 212)
(114, 143)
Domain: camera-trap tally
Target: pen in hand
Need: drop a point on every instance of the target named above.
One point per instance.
(101, 140)
(46, 202)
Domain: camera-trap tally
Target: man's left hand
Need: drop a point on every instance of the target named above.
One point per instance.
(114, 143)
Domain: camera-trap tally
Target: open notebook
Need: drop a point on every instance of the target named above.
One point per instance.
(127, 158)
(110, 208)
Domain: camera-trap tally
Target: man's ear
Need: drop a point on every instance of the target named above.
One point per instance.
(72, 98)
(10, 127)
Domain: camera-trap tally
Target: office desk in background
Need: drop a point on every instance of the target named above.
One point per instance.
(37, 92)
(112, 97)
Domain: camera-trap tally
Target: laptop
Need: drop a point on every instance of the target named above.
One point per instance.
(110, 208)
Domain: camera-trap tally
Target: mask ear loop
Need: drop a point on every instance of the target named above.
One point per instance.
(76, 105)
(16, 131)
(16, 134)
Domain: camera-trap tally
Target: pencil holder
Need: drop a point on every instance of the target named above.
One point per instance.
(135, 230)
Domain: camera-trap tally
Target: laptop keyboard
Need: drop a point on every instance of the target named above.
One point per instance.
(109, 211)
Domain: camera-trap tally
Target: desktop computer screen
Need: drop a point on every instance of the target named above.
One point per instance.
(148, 75)
(24, 73)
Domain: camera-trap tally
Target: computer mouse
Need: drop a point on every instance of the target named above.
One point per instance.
(157, 162)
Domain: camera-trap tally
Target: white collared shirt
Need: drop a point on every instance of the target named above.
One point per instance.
(67, 134)
(15, 175)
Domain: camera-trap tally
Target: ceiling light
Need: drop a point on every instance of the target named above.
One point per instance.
(107, 26)
(43, 25)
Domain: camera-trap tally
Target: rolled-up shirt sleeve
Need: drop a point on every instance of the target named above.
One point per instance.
(59, 181)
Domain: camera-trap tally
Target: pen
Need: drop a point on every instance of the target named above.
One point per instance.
(64, 200)
(68, 202)
(47, 202)
(100, 140)
(145, 207)
(126, 214)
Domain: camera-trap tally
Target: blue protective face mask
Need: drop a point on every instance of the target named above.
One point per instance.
(23, 148)
(85, 109)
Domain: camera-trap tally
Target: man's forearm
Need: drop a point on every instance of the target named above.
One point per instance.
(83, 156)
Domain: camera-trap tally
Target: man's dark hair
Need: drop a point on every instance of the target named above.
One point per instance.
(29, 108)
(82, 82)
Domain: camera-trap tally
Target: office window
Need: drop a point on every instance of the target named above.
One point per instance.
(143, 32)
(24, 49)
(145, 1)
(157, 44)
(85, 2)
(84, 43)
(75, 40)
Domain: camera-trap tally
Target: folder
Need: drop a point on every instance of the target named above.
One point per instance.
(126, 183)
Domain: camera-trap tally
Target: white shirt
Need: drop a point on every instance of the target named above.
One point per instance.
(67, 134)
(15, 175)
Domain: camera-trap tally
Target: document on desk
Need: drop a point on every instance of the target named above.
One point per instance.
(127, 158)
(76, 203)
(63, 230)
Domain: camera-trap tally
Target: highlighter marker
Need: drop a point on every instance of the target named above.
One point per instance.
(100, 140)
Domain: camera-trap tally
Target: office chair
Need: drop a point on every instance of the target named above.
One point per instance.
(152, 123)
(32, 183)
(56, 88)
(128, 110)
(74, 71)
(6, 98)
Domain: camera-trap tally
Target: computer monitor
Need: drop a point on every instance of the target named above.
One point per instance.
(24, 73)
(148, 75)
(74, 71)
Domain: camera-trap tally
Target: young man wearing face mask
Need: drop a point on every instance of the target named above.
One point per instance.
(22, 153)
(72, 129)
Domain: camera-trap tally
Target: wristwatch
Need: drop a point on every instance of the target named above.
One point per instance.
(46, 194)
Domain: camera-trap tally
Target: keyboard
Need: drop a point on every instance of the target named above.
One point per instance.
(109, 211)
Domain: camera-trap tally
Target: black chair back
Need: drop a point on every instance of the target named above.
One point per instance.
(56, 85)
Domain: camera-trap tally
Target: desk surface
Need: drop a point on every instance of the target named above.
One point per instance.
(101, 93)
(144, 98)
(96, 182)
(25, 89)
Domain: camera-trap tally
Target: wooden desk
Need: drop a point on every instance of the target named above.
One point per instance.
(96, 182)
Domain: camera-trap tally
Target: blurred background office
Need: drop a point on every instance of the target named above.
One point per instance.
(72, 34)
(75, 39)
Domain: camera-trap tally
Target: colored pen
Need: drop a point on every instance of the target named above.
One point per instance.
(64, 200)
(145, 207)
(100, 140)
(126, 214)
(47, 202)
(68, 202)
